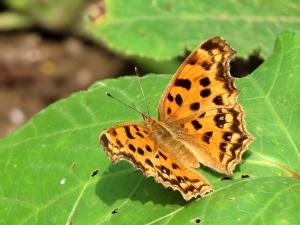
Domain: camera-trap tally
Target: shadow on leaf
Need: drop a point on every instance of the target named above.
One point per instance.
(121, 181)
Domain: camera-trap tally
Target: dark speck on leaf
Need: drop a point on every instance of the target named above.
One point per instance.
(114, 211)
(196, 220)
(226, 178)
(94, 172)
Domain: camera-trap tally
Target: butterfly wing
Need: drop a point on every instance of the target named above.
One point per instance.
(131, 142)
(219, 138)
(201, 99)
(202, 82)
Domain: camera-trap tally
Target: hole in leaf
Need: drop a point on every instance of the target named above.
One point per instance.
(226, 178)
(196, 220)
(94, 172)
(114, 211)
(245, 176)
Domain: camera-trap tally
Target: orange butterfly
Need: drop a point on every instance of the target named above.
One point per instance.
(199, 122)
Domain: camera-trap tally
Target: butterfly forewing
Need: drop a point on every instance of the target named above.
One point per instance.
(201, 82)
(131, 141)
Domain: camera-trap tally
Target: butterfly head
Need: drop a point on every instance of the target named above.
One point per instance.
(148, 120)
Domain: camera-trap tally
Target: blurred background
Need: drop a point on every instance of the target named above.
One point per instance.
(50, 49)
(43, 60)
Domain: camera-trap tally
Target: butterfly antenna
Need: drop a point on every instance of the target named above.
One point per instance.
(123, 103)
(142, 90)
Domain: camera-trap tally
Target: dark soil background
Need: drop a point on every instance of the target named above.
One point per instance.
(38, 68)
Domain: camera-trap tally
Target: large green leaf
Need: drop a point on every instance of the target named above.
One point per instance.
(46, 166)
(163, 29)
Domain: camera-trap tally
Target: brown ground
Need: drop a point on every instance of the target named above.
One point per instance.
(35, 71)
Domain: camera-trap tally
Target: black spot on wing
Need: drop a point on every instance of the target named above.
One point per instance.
(196, 125)
(195, 106)
(204, 82)
(131, 147)
(205, 93)
(180, 179)
(148, 148)
(210, 45)
(192, 59)
(103, 140)
(220, 72)
(184, 83)
(223, 146)
(136, 128)
(234, 148)
(127, 131)
(202, 115)
(169, 110)
(205, 65)
(178, 100)
(165, 170)
(175, 166)
(227, 136)
(149, 163)
(120, 145)
(139, 134)
(221, 156)
(220, 120)
(218, 100)
(140, 151)
(162, 155)
(206, 136)
(170, 97)
(235, 126)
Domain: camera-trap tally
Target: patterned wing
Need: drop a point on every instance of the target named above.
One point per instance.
(131, 142)
(201, 83)
(218, 137)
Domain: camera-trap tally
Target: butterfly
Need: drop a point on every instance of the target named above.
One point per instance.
(199, 123)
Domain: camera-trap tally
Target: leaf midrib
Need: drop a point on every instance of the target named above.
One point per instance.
(196, 18)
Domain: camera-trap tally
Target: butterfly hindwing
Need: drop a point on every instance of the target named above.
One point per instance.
(131, 141)
(220, 137)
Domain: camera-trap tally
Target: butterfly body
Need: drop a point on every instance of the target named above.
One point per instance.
(199, 123)
(167, 137)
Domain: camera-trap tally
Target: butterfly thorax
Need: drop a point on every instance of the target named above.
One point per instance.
(165, 136)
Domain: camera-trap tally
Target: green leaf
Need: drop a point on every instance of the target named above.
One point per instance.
(163, 29)
(48, 14)
(46, 166)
